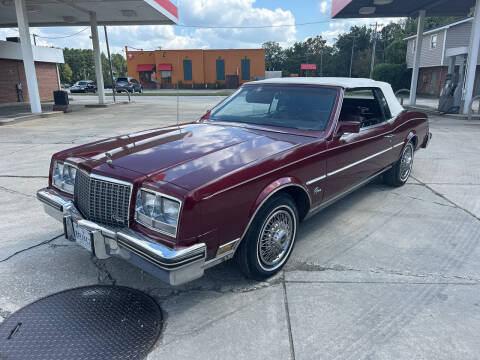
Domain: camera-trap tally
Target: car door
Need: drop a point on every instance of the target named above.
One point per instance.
(354, 158)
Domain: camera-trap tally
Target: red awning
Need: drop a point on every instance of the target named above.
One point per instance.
(164, 67)
(145, 67)
(308, 67)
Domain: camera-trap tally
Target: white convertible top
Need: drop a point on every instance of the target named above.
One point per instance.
(346, 83)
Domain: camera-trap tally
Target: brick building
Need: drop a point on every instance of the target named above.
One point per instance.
(196, 68)
(12, 71)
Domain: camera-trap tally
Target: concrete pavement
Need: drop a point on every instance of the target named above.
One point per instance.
(383, 274)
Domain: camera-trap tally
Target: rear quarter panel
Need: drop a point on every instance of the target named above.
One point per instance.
(408, 125)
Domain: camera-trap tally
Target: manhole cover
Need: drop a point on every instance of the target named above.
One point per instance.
(95, 322)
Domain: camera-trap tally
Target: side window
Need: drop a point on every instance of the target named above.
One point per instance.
(363, 105)
(383, 104)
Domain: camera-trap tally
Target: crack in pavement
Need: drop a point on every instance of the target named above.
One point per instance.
(287, 315)
(30, 248)
(104, 276)
(419, 199)
(421, 183)
(15, 192)
(306, 266)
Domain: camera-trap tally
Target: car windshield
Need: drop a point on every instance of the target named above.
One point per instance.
(122, 80)
(81, 83)
(298, 107)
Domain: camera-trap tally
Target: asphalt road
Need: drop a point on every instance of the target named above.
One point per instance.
(383, 274)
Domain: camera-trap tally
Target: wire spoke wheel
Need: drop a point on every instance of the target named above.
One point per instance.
(406, 163)
(276, 237)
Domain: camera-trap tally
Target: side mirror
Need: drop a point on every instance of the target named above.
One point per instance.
(347, 128)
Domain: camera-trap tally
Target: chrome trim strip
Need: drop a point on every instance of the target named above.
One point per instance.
(107, 179)
(358, 162)
(345, 193)
(313, 181)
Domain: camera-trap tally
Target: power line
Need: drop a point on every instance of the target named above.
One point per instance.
(62, 36)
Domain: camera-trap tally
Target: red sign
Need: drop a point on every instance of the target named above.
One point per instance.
(308, 67)
(169, 6)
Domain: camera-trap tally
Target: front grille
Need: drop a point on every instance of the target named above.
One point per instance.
(102, 201)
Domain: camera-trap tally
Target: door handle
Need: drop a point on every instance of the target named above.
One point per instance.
(389, 136)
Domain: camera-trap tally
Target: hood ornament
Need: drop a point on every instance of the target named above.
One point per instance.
(109, 158)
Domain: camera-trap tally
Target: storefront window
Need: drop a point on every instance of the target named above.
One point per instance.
(166, 77)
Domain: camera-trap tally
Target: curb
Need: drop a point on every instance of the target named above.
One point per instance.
(15, 120)
(431, 111)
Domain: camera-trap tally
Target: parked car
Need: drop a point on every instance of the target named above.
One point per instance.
(175, 201)
(129, 84)
(84, 86)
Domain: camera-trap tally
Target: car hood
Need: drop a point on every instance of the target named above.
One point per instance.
(187, 156)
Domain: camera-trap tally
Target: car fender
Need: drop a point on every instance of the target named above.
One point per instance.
(273, 188)
(412, 134)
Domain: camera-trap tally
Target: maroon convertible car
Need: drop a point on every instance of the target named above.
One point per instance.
(236, 184)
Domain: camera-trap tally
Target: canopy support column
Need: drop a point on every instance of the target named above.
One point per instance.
(472, 60)
(27, 55)
(97, 58)
(416, 61)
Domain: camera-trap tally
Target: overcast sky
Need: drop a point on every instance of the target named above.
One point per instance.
(215, 13)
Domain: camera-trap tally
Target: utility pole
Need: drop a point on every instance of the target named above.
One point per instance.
(35, 39)
(353, 51)
(372, 63)
(110, 62)
(321, 63)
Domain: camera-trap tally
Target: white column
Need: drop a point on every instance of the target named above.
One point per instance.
(97, 58)
(472, 60)
(27, 54)
(416, 60)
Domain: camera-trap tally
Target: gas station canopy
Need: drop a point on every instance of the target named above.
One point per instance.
(76, 12)
(399, 8)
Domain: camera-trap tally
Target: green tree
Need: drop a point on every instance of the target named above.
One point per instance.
(119, 65)
(65, 73)
(396, 75)
(274, 55)
(395, 53)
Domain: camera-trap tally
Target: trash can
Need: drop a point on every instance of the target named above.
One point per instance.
(60, 97)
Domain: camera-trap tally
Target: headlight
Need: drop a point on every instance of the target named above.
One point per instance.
(157, 211)
(63, 176)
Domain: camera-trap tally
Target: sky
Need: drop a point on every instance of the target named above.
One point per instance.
(214, 13)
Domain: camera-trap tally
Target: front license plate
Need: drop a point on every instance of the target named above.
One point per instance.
(82, 237)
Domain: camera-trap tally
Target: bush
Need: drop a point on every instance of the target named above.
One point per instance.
(396, 75)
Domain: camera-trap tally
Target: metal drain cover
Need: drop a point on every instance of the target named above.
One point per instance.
(95, 322)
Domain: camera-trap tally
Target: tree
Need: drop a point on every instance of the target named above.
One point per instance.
(396, 52)
(274, 55)
(396, 75)
(119, 65)
(65, 73)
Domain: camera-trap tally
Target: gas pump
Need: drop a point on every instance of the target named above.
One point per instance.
(451, 94)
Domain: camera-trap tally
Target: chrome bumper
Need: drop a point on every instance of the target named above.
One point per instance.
(174, 267)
